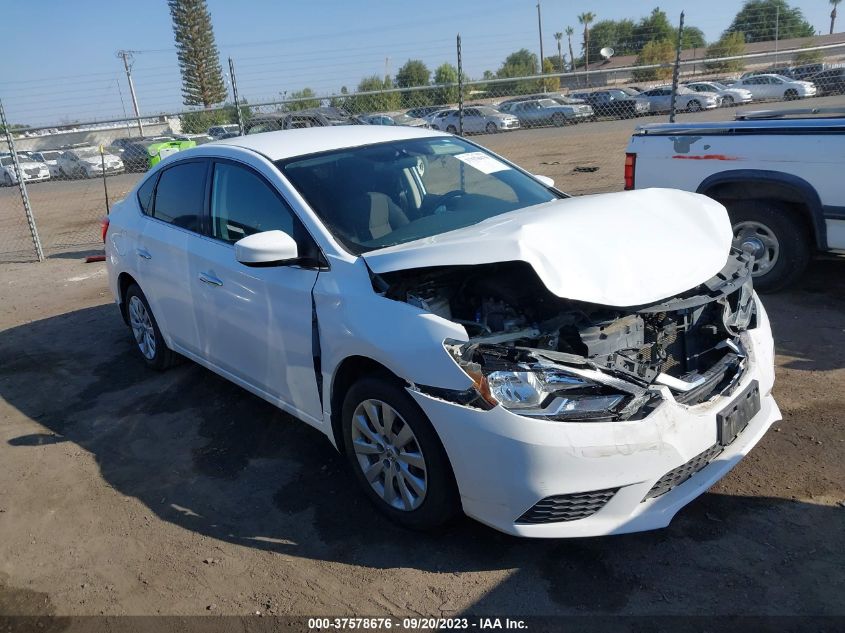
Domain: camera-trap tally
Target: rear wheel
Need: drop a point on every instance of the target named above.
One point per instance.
(148, 338)
(778, 240)
(397, 456)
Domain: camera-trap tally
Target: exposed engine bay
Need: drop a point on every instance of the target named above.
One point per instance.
(523, 340)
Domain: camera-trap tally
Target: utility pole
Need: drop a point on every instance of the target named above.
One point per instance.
(238, 114)
(540, 30)
(126, 56)
(676, 71)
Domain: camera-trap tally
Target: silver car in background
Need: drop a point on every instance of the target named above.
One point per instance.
(32, 170)
(727, 96)
(539, 112)
(86, 162)
(479, 120)
(50, 158)
(660, 99)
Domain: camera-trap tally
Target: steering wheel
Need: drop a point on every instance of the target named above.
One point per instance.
(445, 198)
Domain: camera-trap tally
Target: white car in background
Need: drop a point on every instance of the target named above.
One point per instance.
(436, 120)
(660, 99)
(480, 119)
(728, 96)
(776, 87)
(33, 171)
(86, 162)
(405, 292)
(50, 158)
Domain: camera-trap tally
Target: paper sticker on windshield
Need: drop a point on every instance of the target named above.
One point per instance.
(482, 162)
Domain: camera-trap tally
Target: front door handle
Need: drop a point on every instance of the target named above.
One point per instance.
(143, 252)
(211, 280)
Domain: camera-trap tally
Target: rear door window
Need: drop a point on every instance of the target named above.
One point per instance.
(180, 195)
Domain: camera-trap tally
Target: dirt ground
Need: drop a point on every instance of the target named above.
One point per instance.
(123, 491)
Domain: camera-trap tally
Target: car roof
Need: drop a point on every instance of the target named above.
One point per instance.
(289, 143)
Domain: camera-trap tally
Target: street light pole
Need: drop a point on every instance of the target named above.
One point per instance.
(540, 30)
(126, 56)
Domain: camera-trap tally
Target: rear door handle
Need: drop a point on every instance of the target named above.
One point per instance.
(211, 280)
(143, 252)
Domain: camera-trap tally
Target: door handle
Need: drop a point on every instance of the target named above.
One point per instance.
(211, 280)
(143, 252)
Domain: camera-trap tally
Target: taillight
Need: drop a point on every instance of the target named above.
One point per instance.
(104, 227)
(630, 166)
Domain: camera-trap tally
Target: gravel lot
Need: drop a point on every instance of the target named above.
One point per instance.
(583, 158)
(123, 491)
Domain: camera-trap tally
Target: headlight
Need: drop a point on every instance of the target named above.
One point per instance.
(552, 392)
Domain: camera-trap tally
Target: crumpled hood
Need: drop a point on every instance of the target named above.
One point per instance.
(617, 249)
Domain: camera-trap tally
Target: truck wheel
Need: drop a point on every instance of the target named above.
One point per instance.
(776, 238)
(397, 456)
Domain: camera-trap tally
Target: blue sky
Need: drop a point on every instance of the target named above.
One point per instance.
(60, 64)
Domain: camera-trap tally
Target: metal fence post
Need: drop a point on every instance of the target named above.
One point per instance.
(460, 90)
(30, 219)
(677, 70)
(235, 97)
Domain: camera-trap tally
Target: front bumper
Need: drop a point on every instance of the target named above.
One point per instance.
(505, 464)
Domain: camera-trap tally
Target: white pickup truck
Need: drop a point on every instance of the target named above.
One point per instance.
(781, 175)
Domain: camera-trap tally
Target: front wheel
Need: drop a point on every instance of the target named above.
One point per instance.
(790, 95)
(558, 120)
(148, 338)
(397, 456)
(775, 236)
(491, 128)
(451, 129)
(694, 106)
(7, 180)
(727, 102)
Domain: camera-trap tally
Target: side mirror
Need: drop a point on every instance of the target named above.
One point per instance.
(268, 248)
(549, 182)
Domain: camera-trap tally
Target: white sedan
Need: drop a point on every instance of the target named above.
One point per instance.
(728, 96)
(660, 99)
(49, 158)
(86, 162)
(405, 292)
(33, 171)
(776, 87)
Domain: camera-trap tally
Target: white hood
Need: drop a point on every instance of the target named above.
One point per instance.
(617, 249)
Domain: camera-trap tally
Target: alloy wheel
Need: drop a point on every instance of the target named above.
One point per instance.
(389, 455)
(758, 240)
(142, 327)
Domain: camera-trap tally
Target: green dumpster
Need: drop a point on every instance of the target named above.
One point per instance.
(159, 151)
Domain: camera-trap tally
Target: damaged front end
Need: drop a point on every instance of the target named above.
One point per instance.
(545, 357)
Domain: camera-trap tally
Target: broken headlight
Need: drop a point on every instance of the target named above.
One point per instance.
(541, 391)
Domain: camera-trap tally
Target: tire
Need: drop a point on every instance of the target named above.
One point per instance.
(790, 95)
(781, 234)
(7, 180)
(728, 102)
(491, 128)
(558, 120)
(396, 481)
(147, 333)
(694, 106)
(451, 129)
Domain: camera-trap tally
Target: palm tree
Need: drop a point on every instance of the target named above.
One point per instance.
(833, 14)
(558, 38)
(569, 33)
(586, 19)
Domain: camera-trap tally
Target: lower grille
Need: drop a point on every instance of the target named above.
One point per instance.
(578, 505)
(676, 477)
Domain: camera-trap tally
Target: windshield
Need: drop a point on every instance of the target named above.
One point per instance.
(547, 103)
(50, 155)
(719, 86)
(487, 111)
(391, 193)
(630, 92)
(87, 152)
(6, 160)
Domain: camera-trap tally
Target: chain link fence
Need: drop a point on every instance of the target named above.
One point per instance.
(569, 123)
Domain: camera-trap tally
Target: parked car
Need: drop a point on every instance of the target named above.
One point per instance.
(480, 119)
(313, 117)
(540, 112)
(406, 293)
(784, 195)
(133, 150)
(435, 119)
(728, 97)
(86, 162)
(217, 131)
(660, 99)
(554, 96)
(804, 72)
(614, 102)
(776, 87)
(423, 111)
(50, 158)
(830, 81)
(33, 171)
(392, 118)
